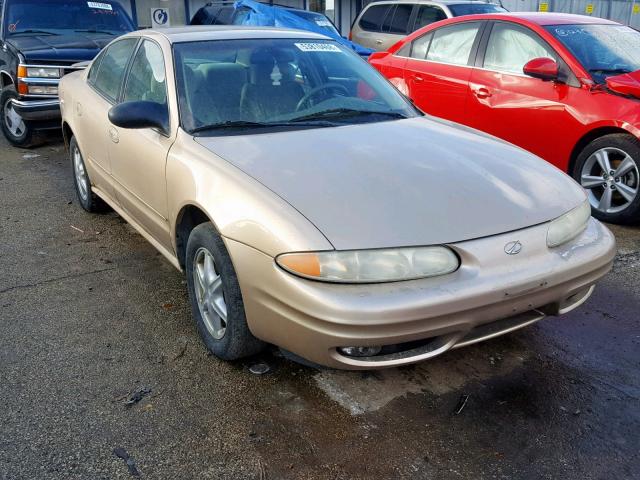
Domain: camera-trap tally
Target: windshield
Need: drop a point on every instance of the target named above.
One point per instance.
(56, 17)
(603, 50)
(286, 83)
(458, 10)
(317, 19)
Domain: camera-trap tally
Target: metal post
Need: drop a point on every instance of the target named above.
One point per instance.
(134, 13)
(187, 14)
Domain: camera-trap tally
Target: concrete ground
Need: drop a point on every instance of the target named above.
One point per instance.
(93, 319)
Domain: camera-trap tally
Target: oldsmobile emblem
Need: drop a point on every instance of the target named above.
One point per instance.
(513, 248)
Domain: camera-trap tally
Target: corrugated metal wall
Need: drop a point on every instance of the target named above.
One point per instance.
(626, 12)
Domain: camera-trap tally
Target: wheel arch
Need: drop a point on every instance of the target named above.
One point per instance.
(589, 137)
(188, 218)
(5, 79)
(67, 133)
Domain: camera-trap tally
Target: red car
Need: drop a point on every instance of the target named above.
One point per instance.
(565, 87)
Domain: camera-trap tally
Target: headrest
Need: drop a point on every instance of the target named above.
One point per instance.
(262, 56)
(267, 56)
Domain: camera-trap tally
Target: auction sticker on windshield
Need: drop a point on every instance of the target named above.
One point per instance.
(317, 47)
(100, 5)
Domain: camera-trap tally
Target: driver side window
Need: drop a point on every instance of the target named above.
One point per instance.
(147, 78)
(510, 48)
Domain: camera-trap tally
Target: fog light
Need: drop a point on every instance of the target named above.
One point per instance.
(360, 351)
(43, 89)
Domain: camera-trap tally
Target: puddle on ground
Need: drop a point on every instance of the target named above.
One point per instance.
(362, 392)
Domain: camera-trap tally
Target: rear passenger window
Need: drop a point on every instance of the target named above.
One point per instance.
(374, 16)
(93, 70)
(428, 14)
(399, 23)
(405, 51)
(108, 79)
(420, 46)
(453, 44)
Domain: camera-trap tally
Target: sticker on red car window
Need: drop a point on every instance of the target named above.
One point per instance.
(100, 5)
(317, 47)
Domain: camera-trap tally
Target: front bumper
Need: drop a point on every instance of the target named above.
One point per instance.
(492, 293)
(37, 109)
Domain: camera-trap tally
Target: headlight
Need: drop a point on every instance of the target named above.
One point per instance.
(569, 225)
(371, 266)
(39, 72)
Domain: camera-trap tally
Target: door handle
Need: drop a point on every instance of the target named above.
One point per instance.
(482, 92)
(113, 135)
(418, 78)
(379, 42)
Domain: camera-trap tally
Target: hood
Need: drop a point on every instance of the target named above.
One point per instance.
(625, 84)
(59, 48)
(407, 182)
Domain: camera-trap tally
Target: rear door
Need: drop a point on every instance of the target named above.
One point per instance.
(531, 113)
(439, 68)
(368, 30)
(104, 81)
(396, 25)
(427, 14)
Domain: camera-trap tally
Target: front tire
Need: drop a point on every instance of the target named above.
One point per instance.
(608, 168)
(216, 300)
(16, 130)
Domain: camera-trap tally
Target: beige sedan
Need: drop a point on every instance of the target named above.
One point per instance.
(313, 207)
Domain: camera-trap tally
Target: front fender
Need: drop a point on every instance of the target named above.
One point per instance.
(241, 208)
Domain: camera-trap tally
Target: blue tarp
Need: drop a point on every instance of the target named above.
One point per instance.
(261, 15)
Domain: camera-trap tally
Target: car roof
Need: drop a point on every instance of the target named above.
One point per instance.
(198, 33)
(542, 18)
(441, 2)
(232, 4)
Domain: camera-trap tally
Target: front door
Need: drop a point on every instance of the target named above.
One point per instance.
(531, 113)
(139, 156)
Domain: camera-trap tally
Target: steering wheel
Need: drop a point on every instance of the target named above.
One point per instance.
(314, 91)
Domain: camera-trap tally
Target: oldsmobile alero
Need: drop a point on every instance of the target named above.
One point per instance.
(313, 207)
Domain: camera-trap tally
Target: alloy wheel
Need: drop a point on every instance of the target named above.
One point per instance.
(209, 293)
(611, 177)
(81, 174)
(12, 120)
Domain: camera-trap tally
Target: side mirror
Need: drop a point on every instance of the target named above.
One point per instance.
(542, 68)
(625, 84)
(140, 115)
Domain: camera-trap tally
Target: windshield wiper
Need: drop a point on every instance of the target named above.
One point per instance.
(91, 30)
(345, 113)
(40, 32)
(610, 70)
(247, 124)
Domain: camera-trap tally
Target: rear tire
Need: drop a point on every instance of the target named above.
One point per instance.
(87, 199)
(609, 169)
(216, 300)
(18, 132)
